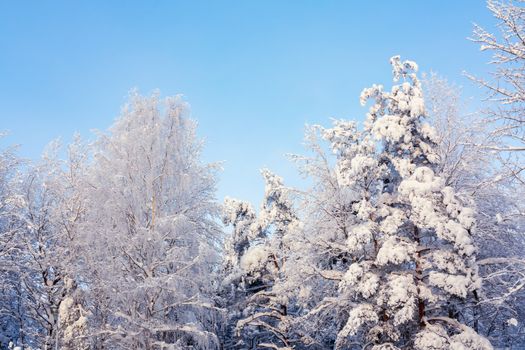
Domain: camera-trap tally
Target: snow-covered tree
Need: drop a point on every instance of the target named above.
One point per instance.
(321, 253)
(241, 216)
(39, 258)
(506, 85)
(464, 162)
(467, 164)
(504, 114)
(263, 245)
(12, 320)
(152, 234)
(46, 253)
(413, 258)
(68, 215)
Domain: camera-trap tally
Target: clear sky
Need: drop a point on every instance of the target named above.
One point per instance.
(254, 72)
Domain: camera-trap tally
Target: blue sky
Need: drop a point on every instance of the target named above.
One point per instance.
(254, 72)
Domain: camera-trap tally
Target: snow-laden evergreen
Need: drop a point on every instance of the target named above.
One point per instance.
(415, 264)
(410, 242)
(256, 258)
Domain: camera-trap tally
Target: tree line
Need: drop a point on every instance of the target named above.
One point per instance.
(409, 236)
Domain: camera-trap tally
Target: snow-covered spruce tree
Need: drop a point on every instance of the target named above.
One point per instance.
(410, 286)
(260, 247)
(152, 232)
(242, 218)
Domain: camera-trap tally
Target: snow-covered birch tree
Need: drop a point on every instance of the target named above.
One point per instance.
(12, 312)
(504, 116)
(506, 85)
(152, 237)
(468, 165)
(47, 255)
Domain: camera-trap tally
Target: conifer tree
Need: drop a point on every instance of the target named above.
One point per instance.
(262, 248)
(414, 267)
